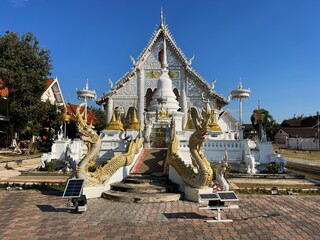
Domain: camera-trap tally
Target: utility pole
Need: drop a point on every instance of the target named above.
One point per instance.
(318, 122)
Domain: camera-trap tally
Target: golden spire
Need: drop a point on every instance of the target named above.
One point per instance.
(190, 124)
(259, 116)
(65, 116)
(134, 122)
(214, 126)
(114, 124)
(163, 23)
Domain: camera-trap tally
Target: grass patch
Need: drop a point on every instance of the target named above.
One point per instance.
(307, 175)
(281, 191)
(263, 186)
(41, 187)
(306, 155)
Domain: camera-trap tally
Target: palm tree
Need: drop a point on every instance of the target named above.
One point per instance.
(269, 125)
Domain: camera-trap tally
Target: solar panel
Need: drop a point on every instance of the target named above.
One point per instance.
(227, 196)
(209, 196)
(73, 188)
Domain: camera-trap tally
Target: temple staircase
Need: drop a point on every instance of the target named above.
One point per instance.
(147, 181)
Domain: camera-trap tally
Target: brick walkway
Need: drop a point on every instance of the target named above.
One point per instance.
(36, 215)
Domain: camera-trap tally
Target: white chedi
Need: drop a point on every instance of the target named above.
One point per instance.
(164, 97)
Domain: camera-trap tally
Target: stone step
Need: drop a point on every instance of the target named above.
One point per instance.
(145, 178)
(140, 197)
(152, 161)
(144, 187)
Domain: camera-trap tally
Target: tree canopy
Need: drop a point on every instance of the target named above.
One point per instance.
(269, 125)
(24, 69)
(101, 119)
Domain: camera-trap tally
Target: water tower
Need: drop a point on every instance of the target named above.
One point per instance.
(85, 95)
(240, 93)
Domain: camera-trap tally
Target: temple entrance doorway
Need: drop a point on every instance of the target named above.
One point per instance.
(158, 137)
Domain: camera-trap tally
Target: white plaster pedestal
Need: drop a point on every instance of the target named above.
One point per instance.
(95, 191)
(192, 194)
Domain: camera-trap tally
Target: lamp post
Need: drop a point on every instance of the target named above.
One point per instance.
(240, 93)
(85, 95)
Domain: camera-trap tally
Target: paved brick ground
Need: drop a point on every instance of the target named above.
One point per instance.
(35, 215)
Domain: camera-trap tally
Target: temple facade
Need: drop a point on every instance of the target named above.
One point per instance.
(161, 84)
(162, 102)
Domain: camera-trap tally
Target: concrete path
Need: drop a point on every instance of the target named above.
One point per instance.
(35, 215)
(11, 168)
(15, 172)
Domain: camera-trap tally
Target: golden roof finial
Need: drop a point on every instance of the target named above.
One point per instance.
(134, 121)
(214, 126)
(65, 116)
(163, 23)
(190, 123)
(114, 124)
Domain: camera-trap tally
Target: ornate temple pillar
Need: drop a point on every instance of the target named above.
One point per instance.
(109, 109)
(184, 104)
(141, 93)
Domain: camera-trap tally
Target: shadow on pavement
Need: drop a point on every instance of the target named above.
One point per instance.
(47, 208)
(184, 215)
(50, 208)
(52, 192)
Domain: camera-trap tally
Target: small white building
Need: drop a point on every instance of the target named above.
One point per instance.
(53, 93)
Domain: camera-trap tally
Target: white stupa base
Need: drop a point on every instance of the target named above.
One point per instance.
(95, 191)
(192, 194)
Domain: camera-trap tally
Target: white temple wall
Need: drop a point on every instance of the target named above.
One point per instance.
(175, 178)
(266, 151)
(214, 150)
(62, 149)
(184, 153)
(111, 144)
(226, 124)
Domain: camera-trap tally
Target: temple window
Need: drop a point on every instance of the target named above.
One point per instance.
(160, 55)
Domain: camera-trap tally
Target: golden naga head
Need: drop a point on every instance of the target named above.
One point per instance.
(89, 135)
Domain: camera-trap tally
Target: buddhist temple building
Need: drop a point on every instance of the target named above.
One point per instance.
(163, 85)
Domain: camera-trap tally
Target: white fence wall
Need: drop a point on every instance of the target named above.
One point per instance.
(307, 144)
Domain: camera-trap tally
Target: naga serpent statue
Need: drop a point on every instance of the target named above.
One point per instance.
(93, 142)
(105, 172)
(202, 176)
(221, 168)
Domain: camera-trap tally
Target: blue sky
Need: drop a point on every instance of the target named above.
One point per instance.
(274, 45)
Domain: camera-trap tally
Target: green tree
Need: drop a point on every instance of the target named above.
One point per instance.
(51, 118)
(24, 68)
(269, 125)
(101, 119)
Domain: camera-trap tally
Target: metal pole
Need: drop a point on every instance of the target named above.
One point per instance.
(85, 110)
(65, 131)
(240, 119)
(318, 131)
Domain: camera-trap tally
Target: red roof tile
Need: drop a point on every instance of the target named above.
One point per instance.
(72, 108)
(49, 82)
